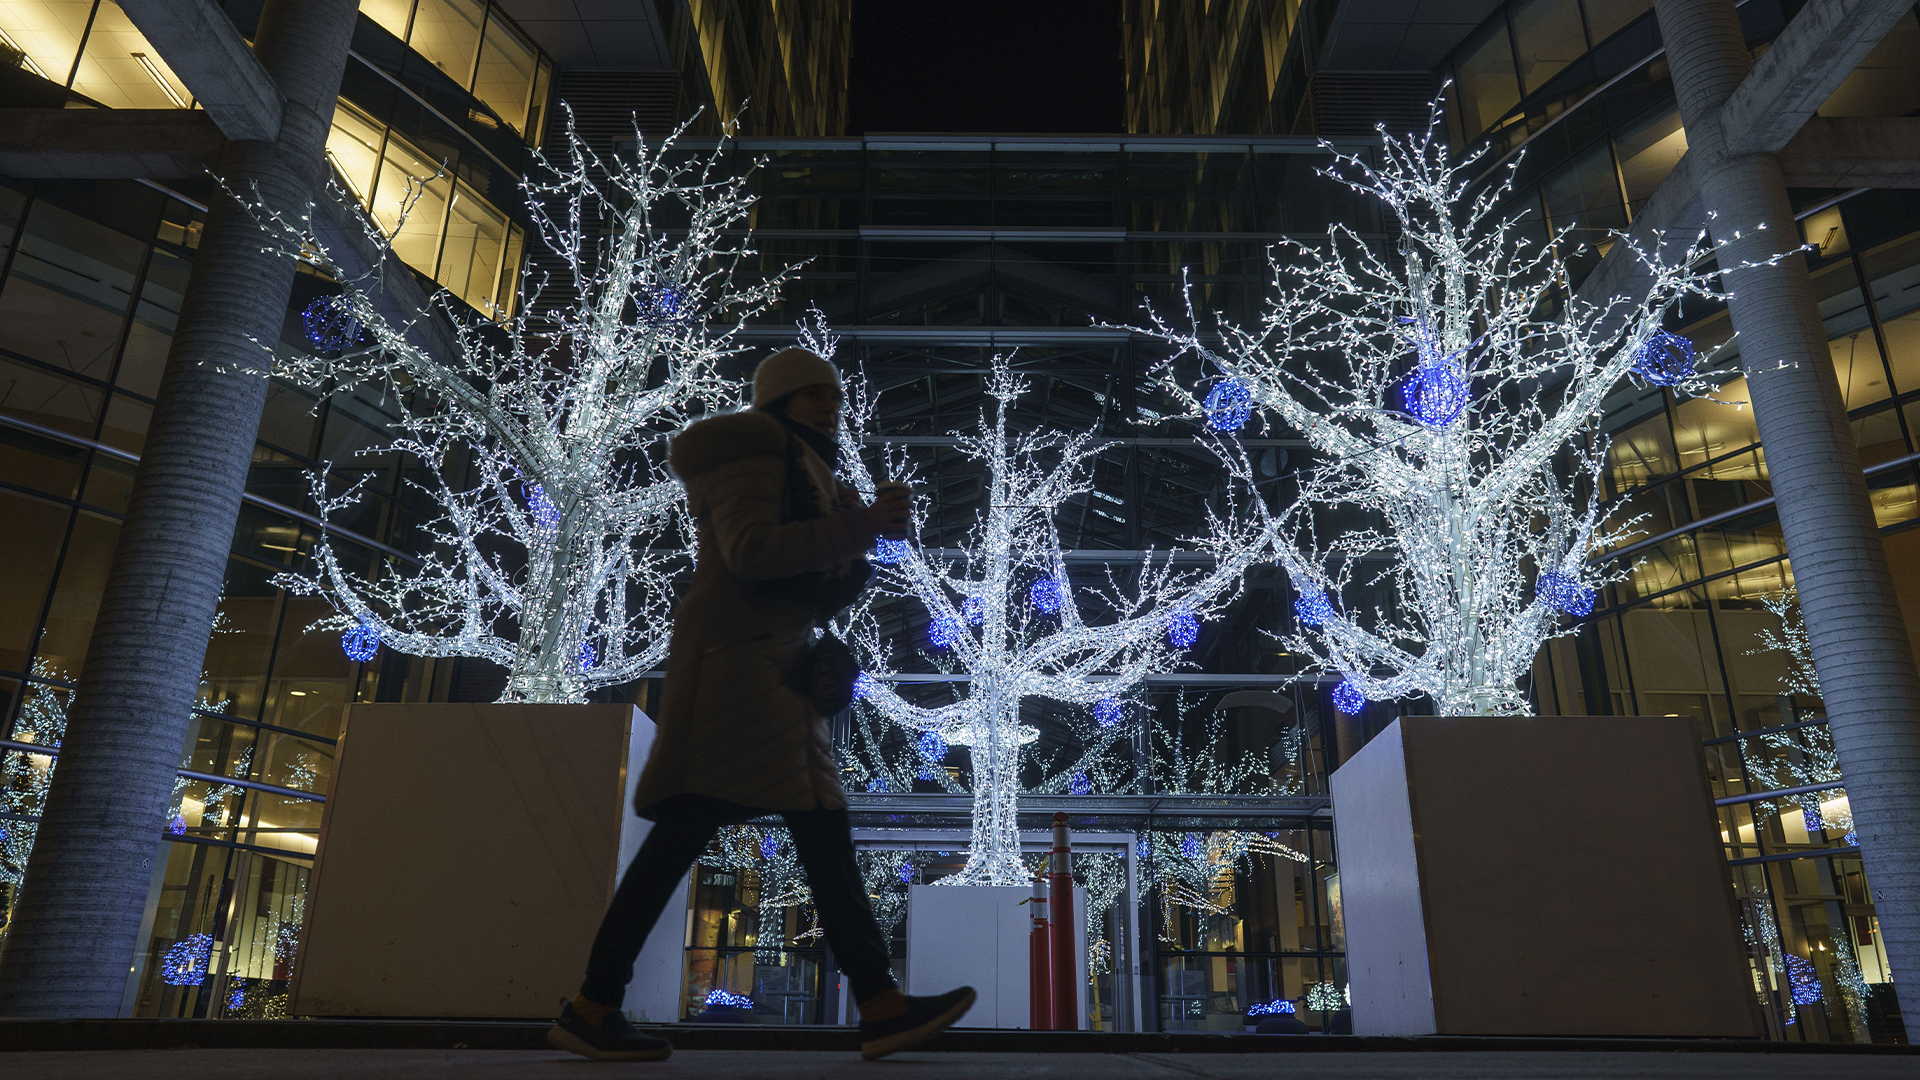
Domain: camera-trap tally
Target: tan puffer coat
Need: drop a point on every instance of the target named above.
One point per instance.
(731, 723)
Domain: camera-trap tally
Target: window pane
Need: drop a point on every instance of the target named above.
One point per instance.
(353, 148)
(537, 108)
(68, 292)
(1710, 427)
(1585, 196)
(154, 318)
(122, 70)
(47, 31)
(507, 295)
(507, 64)
(76, 600)
(470, 263)
(1548, 37)
(1895, 272)
(28, 546)
(1606, 18)
(404, 190)
(390, 14)
(1488, 84)
(447, 32)
(1648, 152)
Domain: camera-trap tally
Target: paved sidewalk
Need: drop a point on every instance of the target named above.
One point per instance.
(822, 1065)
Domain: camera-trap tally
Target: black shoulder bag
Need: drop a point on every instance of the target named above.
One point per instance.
(830, 667)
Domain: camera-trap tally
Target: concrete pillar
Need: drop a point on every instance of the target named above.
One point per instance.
(86, 885)
(1860, 643)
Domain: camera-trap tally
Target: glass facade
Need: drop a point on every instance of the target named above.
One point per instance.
(1702, 621)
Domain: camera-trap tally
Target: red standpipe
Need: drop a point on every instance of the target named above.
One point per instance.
(1066, 997)
(1039, 958)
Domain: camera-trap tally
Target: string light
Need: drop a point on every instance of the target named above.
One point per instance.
(185, 963)
(544, 436)
(932, 746)
(975, 610)
(1666, 359)
(1277, 1007)
(722, 999)
(1183, 628)
(360, 642)
(1348, 698)
(1803, 981)
(1325, 997)
(1033, 640)
(330, 324)
(1313, 609)
(1462, 465)
(1565, 592)
(1229, 405)
(1048, 595)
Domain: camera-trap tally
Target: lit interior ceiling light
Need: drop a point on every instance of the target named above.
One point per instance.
(24, 58)
(153, 70)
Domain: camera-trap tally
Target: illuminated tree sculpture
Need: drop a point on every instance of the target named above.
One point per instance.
(1007, 613)
(545, 435)
(1443, 390)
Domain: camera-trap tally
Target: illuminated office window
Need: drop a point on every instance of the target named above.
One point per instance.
(353, 149)
(391, 14)
(410, 203)
(476, 238)
(447, 32)
(508, 64)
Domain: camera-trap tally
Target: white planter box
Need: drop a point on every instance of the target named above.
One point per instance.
(466, 856)
(1537, 876)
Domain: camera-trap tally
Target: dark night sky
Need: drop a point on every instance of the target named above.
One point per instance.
(985, 65)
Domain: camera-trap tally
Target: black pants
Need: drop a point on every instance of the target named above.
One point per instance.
(823, 839)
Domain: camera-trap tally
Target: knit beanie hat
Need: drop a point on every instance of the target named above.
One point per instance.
(789, 370)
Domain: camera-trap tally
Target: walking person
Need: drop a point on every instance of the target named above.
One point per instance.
(739, 734)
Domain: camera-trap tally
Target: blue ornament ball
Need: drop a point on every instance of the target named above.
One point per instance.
(663, 306)
(769, 847)
(587, 656)
(933, 746)
(1229, 405)
(1564, 592)
(546, 516)
(360, 642)
(974, 608)
(1080, 784)
(1048, 594)
(1183, 629)
(863, 686)
(1348, 698)
(1666, 359)
(941, 632)
(329, 324)
(1313, 609)
(1140, 848)
(1190, 846)
(1107, 711)
(889, 552)
(906, 873)
(1436, 395)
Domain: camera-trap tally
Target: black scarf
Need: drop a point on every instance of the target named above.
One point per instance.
(828, 448)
